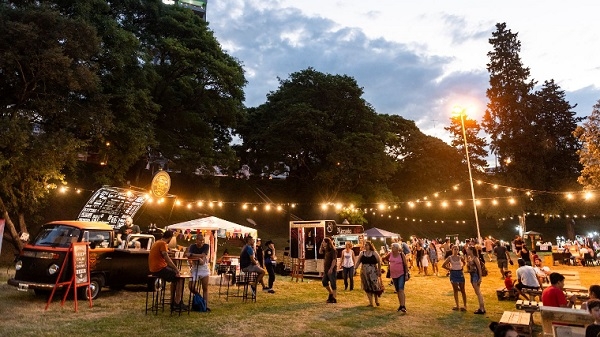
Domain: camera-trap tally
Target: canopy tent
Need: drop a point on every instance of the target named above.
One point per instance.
(217, 227)
(380, 233)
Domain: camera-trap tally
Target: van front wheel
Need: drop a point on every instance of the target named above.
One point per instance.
(96, 284)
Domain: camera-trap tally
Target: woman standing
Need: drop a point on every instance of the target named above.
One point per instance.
(398, 270)
(419, 253)
(455, 263)
(270, 262)
(370, 274)
(475, 271)
(433, 257)
(198, 253)
(348, 262)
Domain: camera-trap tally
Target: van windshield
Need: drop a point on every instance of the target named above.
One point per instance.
(57, 236)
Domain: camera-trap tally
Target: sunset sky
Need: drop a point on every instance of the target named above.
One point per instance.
(414, 59)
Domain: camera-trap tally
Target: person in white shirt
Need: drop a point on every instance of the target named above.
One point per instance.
(527, 278)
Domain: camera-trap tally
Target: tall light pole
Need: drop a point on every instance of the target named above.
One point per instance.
(460, 112)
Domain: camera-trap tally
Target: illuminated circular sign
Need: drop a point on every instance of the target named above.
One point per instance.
(160, 184)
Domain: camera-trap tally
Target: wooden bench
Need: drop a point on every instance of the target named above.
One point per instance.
(528, 306)
(504, 294)
(521, 321)
(532, 293)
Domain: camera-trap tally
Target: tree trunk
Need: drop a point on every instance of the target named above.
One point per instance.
(12, 231)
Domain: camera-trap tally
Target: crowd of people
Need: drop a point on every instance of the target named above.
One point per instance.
(420, 254)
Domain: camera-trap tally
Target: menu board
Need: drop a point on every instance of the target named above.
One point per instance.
(112, 205)
(80, 262)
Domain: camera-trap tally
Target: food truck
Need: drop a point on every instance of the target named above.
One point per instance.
(306, 238)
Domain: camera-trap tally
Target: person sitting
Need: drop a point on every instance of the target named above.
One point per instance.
(594, 309)
(541, 271)
(594, 294)
(554, 296)
(161, 265)
(125, 230)
(509, 284)
(225, 258)
(249, 264)
(527, 278)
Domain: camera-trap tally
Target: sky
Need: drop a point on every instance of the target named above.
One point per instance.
(416, 59)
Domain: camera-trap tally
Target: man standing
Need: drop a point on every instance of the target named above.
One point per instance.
(161, 265)
(554, 296)
(126, 229)
(502, 258)
(329, 268)
(527, 278)
(249, 264)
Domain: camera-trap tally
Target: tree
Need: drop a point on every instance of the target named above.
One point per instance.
(531, 133)
(51, 105)
(425, 164)
(508, 117)
(589, 154)
(476, 145)
(320, 126)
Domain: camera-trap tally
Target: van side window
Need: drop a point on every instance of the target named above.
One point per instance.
(99, 239)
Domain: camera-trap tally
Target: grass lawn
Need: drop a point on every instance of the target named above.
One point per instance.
(296, 309)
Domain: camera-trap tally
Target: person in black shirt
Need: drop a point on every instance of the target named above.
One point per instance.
(270, 262)
(259, 253)
(329, 268)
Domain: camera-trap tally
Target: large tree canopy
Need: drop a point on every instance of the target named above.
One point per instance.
(116, 80)
(320, 126)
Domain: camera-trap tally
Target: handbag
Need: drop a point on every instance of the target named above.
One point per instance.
(406, 276)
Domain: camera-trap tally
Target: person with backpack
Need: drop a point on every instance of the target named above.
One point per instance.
(198, 254)
(475, 270)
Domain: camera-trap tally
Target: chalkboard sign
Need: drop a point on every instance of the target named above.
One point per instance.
(80, 262)
(112, 205)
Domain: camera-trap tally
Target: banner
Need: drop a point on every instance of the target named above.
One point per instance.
(1, 233)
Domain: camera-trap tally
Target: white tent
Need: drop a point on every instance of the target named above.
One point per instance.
(217, 226)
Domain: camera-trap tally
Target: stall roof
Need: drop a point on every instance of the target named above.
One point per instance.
(213, 223)
(380, 233)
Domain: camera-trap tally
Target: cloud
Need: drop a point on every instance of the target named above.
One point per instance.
(272, 42)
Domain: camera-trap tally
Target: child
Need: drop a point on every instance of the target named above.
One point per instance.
(594, 309)
(510, 284)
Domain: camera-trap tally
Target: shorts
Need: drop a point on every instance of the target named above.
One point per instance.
(253, 268)
(475, 278)
(167, 273)
(520, 286)
(457, 276)
(502, 264)
(199, 273)
(330, 279)
(399, 282)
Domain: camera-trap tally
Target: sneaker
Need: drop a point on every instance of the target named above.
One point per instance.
(267, 289)
(403, 309)
(271, 291)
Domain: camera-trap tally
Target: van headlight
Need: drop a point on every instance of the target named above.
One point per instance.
(19, 265)
(53, 269)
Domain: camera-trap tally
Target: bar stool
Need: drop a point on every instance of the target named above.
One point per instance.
(156, 286)
(245, 280)
(298, 269)
(229, 272)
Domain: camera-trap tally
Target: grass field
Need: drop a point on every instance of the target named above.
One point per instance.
(296, 309)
